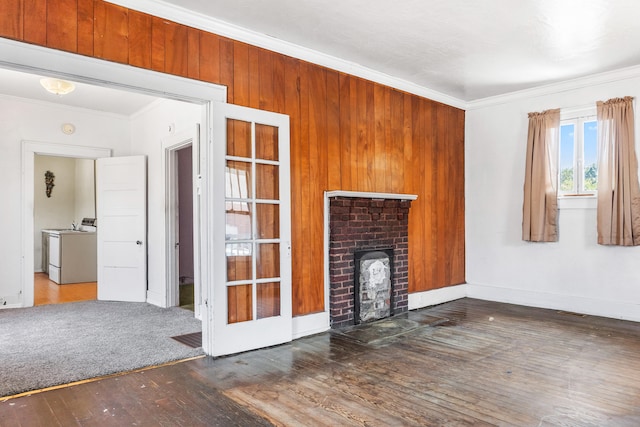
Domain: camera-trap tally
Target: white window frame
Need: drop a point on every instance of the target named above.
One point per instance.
(577, 117)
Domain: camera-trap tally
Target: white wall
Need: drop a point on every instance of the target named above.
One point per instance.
(85, 206)
(26, 120)
(148, 129)
(574, 274)
(56, 211)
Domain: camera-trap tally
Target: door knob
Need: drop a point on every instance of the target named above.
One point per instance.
(138, 242)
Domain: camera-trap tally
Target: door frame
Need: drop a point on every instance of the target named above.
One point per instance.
(34, 59)
(171, 146)
(29, 151)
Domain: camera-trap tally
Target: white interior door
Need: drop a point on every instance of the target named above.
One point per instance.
(122, 225)
(251, 255)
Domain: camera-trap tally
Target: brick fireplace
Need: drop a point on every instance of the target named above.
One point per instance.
(365, 222)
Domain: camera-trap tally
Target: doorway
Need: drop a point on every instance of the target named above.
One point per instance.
(184, 247)
(182, 177)
(64, 194)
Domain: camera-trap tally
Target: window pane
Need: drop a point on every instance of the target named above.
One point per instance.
(266, 142)
(268, 221)
(238, 138)
(268, 260)
(267, 182)
(238, 222)
(239, 262)
(237, 180)
(590, 156)
(239, 303)
(567, 150)
(268, 300)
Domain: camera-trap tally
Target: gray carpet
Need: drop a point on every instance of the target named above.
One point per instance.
(57, 344)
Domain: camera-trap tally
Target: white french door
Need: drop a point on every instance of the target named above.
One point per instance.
(251, 230)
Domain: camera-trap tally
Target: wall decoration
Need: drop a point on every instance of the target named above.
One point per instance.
(49, 177)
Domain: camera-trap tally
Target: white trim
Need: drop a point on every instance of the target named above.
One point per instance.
(370, 195)
(40, 60)
(327, 273)
(170, 146)
(29, 150)
(436, 296)
(578, 202)
(571, 303)
(203, 22)
(310, 324)
(156, 298)
(555, 88)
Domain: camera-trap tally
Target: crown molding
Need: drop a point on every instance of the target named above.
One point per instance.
(553, 88)
(197, 20)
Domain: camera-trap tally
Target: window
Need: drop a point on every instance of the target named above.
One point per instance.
(578, 157)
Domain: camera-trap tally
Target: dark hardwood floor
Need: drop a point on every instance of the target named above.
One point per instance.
(463, 363)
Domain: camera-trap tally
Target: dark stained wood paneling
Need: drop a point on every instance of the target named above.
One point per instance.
(62, 24)
(34, 21)
(347, 133)
(193, 53)
(314, 203)
(347, 130)
(209, 57)
(253, 76)
(264, 74)
(226, 67)
(139, 46)
(11, 19)
(158, 26)
(303, 167)
(279, 83)
(85, 27)
(111, 32)
(176, 49)
(292, 107)
(334, 158)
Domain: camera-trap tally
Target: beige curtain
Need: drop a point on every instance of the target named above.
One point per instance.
(618, 189)
(540, 208)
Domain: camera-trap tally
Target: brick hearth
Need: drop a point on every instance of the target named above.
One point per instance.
(362, 223)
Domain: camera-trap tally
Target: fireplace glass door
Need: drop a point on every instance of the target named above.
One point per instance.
(254, 303)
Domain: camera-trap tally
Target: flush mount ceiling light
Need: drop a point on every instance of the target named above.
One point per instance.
(57, 86)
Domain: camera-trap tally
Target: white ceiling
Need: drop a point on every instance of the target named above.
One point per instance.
(467, 49)
(463, 49)
(98, 98)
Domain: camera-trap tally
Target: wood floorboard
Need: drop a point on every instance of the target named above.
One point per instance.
(487, 364)
(48, 292)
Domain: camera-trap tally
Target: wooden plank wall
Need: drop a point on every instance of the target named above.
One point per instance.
(347, 133)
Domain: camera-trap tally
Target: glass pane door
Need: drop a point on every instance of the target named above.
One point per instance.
(256, 212)
(252, 223)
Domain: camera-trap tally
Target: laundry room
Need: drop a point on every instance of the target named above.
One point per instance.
(64, 195)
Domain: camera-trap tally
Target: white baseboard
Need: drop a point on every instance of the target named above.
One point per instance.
(576, 304)
(157, 298)
(5, 306)
(310, 324)
(436, 296)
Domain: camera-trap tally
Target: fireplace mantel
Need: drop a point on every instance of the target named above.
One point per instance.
(370, 195)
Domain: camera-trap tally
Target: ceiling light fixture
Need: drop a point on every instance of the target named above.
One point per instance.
(57, 86)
